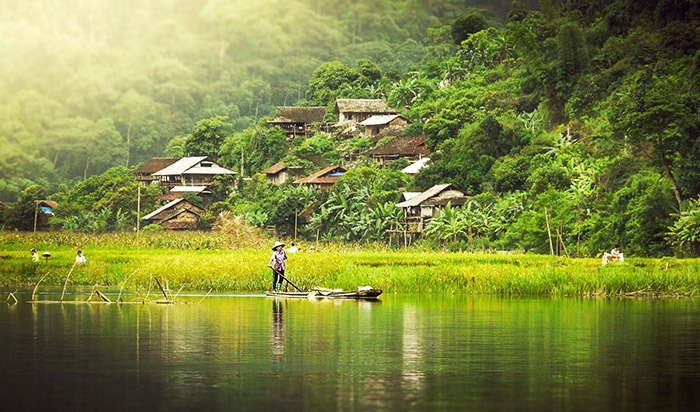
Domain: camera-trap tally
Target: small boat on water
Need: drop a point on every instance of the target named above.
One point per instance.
(361, 293)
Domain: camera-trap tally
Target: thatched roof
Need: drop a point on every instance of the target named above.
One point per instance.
(170, 196)
(401, 146)
(274, 169)
(156, 164)
(48, 203)
(294, 114)
(386, 132)
(321, 176)
(378, 106)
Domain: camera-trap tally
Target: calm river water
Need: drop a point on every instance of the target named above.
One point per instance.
(423, 353)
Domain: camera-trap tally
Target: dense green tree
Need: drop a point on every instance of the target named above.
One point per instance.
(262, 145)
(651, 112)
(466, 25)
(22, 213)
(208, 136)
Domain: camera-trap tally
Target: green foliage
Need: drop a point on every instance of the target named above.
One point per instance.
(588, 109)
(458, 164)
(152, 228)
(118, 89)
(328, 79)
(348, 214)
(317, 149)
(262, 145)
(193, 198)
(89, 222)
(685, 232)
(21, 214)
(467, 25)
(385, 185)
(207, 137)
(290, 201)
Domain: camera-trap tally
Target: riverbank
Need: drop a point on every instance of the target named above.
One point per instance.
(200, 262)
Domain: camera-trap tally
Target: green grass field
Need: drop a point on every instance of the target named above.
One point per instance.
(203, 261)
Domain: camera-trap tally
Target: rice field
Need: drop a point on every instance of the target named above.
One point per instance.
(204, 261)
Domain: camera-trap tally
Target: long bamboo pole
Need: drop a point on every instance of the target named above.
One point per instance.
(37, 284)
(36, 214)
(66, 282)
(124, 284)
(549, 231)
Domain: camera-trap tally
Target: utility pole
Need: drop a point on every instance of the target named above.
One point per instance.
(36, 213)
(138, 209)
(138, 217)
(242, 159)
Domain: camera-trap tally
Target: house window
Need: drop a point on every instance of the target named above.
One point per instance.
(206, 164)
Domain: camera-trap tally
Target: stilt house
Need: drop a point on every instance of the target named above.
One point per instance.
(297, 121)
(419, 209)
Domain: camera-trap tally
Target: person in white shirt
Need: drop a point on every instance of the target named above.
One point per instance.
(80, 258)
(614, 255)
(293, 249)
(35, 256)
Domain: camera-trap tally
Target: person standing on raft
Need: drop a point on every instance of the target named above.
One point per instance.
(278, 257)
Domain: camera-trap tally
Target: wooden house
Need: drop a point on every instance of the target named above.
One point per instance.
(409, 147)
(144, 174)
(358, 110)
(376, 124)
(279, 173)
(419, 209)
(191, 171)
(297, 121)
(178, 214)
(324, 178)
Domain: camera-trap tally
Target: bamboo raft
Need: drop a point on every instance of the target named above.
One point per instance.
(329, 294)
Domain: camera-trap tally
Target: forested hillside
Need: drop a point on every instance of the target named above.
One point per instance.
(581, 116)
(90, 85)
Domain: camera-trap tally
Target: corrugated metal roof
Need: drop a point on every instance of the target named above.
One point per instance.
(195, 189)
(416, 166)
(381, 119)
(210, 170)
(409, 195)
(433, 191)
(320, 174)
(180, 166)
